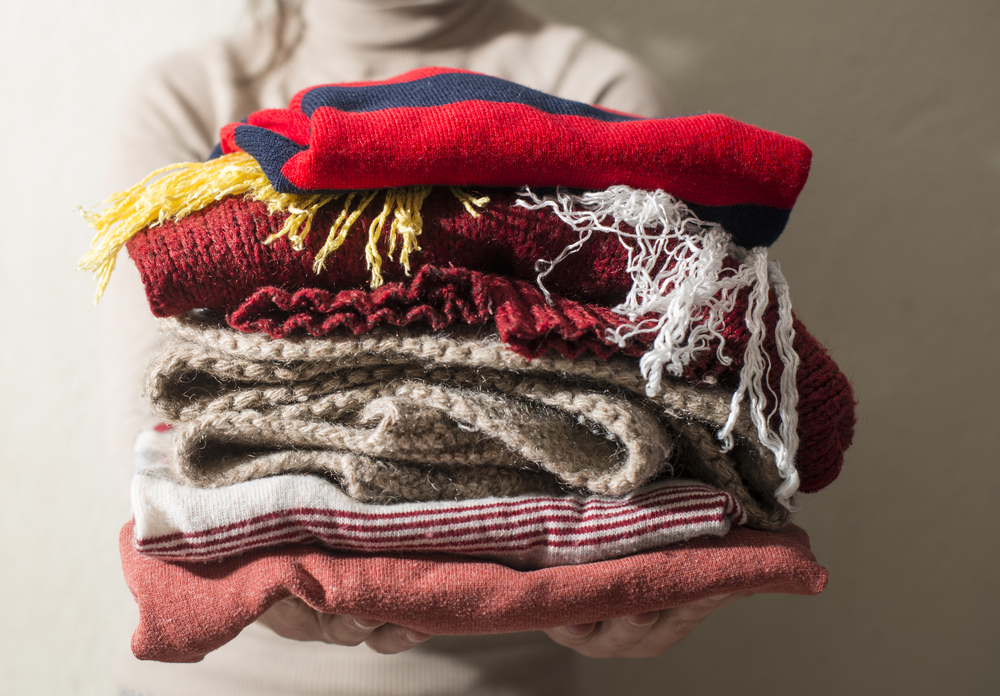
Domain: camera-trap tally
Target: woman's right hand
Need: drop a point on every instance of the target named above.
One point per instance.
(293, 618)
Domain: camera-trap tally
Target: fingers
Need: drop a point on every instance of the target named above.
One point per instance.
(676, 624)
(571, 636)
(391, 639)
(621, 637)
(641, 635)
(345, 630)
(292, 618)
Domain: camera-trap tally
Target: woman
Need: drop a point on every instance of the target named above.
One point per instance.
(173, 113)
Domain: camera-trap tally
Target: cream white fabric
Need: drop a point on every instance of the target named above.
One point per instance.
(175, 521)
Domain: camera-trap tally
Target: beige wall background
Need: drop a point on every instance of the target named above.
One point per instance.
(891, 255)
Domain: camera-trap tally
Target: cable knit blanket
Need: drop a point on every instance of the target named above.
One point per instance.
(396, 416)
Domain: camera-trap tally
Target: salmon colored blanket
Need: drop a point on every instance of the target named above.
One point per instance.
(187, 610)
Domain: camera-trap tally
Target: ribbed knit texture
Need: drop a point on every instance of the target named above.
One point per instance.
(437, 298)
(248, 406)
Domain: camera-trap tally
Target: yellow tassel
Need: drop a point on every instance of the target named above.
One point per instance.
(473, 205)
(340, 228)
(411, 224)
(298, 224)
(183, 189)
(373, 259)
(176, 191)
(404, 205)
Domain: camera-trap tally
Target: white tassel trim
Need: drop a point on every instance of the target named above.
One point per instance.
(681, 296)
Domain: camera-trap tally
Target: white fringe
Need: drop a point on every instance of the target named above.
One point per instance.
(681, 296)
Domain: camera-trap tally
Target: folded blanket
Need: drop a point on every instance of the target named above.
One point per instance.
(216, 259)
(665, 224)
(175, 522)
(400, 415)
(189, 609)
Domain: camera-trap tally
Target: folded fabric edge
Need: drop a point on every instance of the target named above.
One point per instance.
(174, 522)
(189, 609)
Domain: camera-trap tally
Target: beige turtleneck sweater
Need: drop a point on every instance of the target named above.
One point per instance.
(173, 113)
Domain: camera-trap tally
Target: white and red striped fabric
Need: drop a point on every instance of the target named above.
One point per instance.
(179, 522)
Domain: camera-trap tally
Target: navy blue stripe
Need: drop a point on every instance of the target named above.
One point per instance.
(217, 150)
(271, 152)
(448, 88)
(750, 225)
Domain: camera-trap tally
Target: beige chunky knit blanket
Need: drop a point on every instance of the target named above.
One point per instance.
(400, 415)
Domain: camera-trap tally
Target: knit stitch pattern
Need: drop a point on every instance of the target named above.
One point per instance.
(438, 298)
(441, 127)
(216, 259)
(175, 522)
(401, 415)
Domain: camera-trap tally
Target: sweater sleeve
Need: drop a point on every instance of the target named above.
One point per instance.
(166, 115)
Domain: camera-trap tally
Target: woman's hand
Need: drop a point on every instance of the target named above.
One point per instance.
(641, 635)
(293, 618)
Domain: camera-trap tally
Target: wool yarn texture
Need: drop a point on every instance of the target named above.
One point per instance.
(670, 231)
(396, 415)
(216, 259)
(444, 292)
(174, 522)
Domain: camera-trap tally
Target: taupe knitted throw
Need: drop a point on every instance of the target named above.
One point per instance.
(396, 415)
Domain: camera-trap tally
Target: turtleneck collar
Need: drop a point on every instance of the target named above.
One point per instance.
(389, 24)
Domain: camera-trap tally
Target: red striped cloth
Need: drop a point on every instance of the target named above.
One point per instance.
(177, 522)
(445, 127)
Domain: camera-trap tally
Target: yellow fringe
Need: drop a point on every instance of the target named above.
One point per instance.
(471, 203)
(185, 188)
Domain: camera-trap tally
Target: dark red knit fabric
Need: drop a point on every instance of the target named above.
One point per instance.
(216, 258)
(438, 298)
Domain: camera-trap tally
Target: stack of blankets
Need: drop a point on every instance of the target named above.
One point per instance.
(459, 355)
